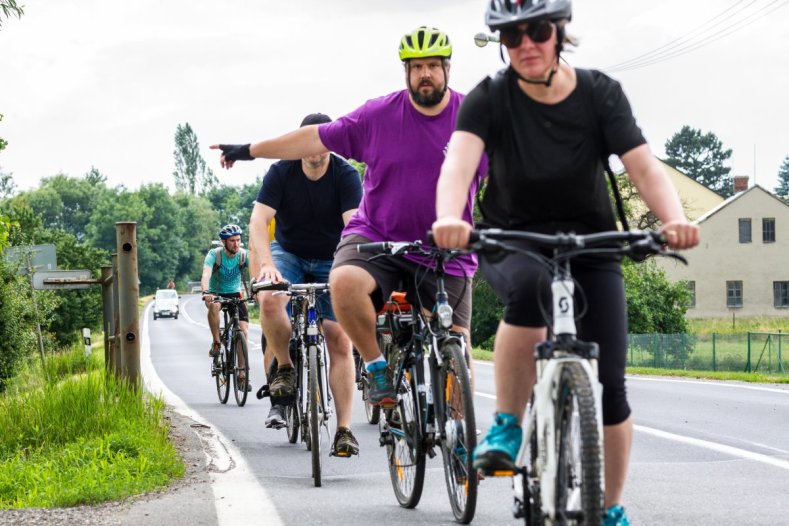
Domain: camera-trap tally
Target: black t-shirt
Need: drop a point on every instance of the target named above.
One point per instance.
(309, 213)
(546, 171)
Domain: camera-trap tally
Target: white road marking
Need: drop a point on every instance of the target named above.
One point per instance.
(714, 446)
(237, 493)
(707, 382)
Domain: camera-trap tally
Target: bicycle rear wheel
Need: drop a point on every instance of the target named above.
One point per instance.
(579, 495)
(314, 412)
(220, 370)
(459, 432)
(405, 450)
(240, 374)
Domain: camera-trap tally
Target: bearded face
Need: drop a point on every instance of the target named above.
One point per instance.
(427, 80)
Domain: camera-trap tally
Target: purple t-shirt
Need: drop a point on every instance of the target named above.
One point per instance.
(403, 150)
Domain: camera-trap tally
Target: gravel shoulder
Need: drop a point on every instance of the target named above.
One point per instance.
(186, 501)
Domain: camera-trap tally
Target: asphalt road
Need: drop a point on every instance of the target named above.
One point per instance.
(704, 452)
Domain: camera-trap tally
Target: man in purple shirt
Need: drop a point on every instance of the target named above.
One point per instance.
(402, 137)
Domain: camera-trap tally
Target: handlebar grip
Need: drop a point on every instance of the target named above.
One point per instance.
(269, 285)
(473, 236)
(373, 248)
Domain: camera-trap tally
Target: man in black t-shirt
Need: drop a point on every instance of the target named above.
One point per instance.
(312, 199)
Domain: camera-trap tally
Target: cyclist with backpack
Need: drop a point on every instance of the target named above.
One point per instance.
(548, 130)
(223, 275)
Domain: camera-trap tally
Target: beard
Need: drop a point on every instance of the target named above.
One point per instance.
(429, 99)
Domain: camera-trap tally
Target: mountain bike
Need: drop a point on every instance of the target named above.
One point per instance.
(310, 409)
(559, 470)
(432, 411)
(232, 354)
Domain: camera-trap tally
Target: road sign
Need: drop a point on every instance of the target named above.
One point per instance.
(40, 257)
(59, 279)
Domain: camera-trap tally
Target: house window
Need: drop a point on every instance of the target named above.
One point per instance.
(691, 285)
(781, 293)
(768, 230)
(745, 230)
(734, 294)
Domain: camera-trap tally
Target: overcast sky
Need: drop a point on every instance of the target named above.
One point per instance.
(104, 83)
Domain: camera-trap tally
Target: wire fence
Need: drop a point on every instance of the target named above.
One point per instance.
(748, 352)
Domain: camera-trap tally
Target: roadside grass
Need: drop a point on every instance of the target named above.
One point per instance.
(738, 325)
(82, 437)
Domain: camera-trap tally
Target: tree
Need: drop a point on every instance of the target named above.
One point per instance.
(8, 8)
(191, 173)
(701, 156)
(782, 190)
(654, 304)
(66, 203)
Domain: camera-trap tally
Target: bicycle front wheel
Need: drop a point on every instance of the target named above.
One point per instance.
(221, 373)
(404, 449)
(314, 412)
(240, 374)
(579, 495)
(459, 432)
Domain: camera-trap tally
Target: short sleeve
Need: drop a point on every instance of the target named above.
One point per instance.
(210, 259)
(271, 189)
(475, 111)
(620, 130)
(350, 186)
(346, 135)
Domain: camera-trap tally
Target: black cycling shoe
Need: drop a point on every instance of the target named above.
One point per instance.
(345, 444)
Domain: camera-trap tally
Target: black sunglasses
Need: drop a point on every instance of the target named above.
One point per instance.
(538, 32)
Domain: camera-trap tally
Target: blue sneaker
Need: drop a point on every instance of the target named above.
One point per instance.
(382, 391)
(616, 516)
(497, 452)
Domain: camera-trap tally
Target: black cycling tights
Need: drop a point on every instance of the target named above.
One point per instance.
(517, 281)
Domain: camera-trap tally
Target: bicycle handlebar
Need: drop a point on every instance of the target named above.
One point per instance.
(635, 244)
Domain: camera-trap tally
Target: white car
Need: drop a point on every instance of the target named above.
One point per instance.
(165, 304)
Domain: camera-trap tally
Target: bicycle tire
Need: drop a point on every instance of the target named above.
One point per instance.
(579, 494)
(239, 350)
(459, 432)
(219, 369)
(532, 501)
(405, 450)
(314, 412)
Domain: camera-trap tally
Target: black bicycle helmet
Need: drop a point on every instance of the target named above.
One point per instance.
(501, 13)
(230, 231)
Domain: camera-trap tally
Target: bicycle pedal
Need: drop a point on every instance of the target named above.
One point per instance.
(262, 392)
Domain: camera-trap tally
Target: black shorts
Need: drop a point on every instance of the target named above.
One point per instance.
(523, 285)
(243, 313)
(398, 274)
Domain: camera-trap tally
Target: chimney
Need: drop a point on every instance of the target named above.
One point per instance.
(740, 183)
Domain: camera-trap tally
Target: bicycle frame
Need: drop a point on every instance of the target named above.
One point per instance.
(552, 356)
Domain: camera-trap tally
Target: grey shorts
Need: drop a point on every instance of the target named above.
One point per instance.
(398, 274)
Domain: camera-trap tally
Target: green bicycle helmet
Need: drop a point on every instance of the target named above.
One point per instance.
(425, 42)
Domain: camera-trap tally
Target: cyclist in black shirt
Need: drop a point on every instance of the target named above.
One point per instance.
(312, 198)
(547, 129)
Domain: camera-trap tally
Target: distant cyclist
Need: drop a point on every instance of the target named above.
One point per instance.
(312, 199)
(402, 138)
(547, 129)
(222, 276)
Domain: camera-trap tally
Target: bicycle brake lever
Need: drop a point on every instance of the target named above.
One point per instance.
(674, 255)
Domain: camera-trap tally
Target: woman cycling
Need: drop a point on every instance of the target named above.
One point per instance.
(547, 129)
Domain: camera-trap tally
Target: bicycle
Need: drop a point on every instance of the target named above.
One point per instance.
(232, 350)
(310, 409)
(558, 475)
(431, 412)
